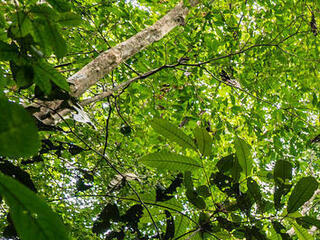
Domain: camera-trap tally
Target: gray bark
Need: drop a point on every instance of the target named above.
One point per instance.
(89, 75)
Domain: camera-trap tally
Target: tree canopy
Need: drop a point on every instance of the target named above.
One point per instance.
(159, 119)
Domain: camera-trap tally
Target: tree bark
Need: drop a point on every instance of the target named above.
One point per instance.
(51, 111)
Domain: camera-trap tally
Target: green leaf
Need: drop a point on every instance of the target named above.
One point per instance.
(254, 190)
(187, 180)
(172, 133)
(57, 43)
(170, 161)
(203, 141)
(193, 198)
(230, 164)
(44, 72)
(282, 171)
(307, 222)
(301, 232)
(203, 191)
(18, 132)
(60, 5)
(44, 11)
(32, 218)
(69, 19)
(21, 25)
(302, 192)
(244, 156)
(8, 52)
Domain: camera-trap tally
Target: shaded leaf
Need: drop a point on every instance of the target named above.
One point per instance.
(170, 230)
(57, 43)
(244, 156)
(307, 222)
(203, 141)
(194, 198)
(30, 215)
(69, 19)
(254, 189)
(172, 133)
(8, 52)
(301, 193)
(203, 191)
(60, 5)
(170, 161)
(18, 133)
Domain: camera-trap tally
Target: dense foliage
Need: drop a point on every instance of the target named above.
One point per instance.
(211, 132)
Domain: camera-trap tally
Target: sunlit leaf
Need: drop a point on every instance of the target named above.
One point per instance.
(203, 141)
(244, 156)
(170, 161)
(172, 133)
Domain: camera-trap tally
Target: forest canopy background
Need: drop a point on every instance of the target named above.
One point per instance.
(159, 119)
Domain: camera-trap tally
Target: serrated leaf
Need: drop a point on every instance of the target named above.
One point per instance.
(203, 141)
(244, 156)
(8, 52)
(18, 132)
(301, 193)
(170, 161)
(172, 133)
(31, 216)
(69, 19)
(301, 232)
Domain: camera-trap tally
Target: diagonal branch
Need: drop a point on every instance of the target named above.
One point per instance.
(110, 59)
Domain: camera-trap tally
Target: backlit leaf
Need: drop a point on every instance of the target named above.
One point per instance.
(172, 133)
(244, 156)
(170, 161)
(203, 140)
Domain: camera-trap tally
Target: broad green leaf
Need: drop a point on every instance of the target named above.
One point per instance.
(195, 199)
(69, 19)
(172, 133)
(282, 171)
(301, 193)
(60, 5)
(187, 180)
(44, 11)
(230, 164)
(254, 189)
(21, 25)
(282, 175)
(18, 132)
(203, 191)
(244, 156)
(274, 235)
(181, 224)
(32, 217)
(170, 161)
(301, 232)
(57, 43)
(45, 72)
(203, 141)
(307, 222)
(8, 52)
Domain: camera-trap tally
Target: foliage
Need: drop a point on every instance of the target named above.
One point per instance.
(215, 136)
